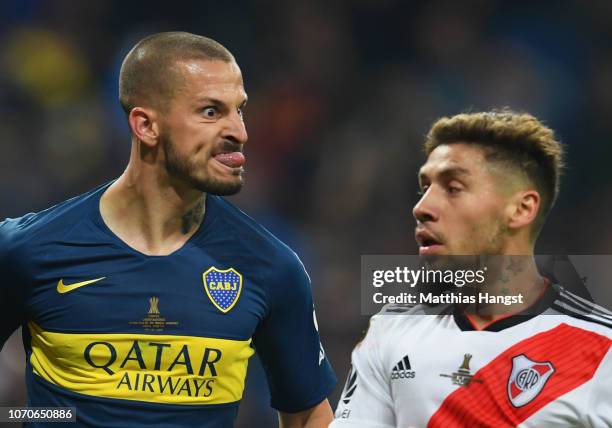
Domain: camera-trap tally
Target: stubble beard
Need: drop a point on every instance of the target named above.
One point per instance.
(495, 244)
(470, 256)
(183, 169)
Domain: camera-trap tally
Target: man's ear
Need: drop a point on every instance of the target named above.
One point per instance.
(523, 209)
(144, 126)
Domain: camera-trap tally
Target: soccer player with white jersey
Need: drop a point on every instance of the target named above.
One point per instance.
(487, 186)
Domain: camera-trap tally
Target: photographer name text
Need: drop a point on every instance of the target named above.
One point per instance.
(451, 298)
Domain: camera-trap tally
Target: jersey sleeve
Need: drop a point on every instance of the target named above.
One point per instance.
(599, 412)
(366, 400)
(288, 344)
(11, 286)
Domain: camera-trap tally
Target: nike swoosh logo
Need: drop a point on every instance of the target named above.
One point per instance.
(63, 288)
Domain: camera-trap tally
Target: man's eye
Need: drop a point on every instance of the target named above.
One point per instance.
(210, 112)
(240, 112)
(422, 191)
(454, 189)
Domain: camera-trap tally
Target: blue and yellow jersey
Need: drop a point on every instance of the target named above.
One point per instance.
(132, 340)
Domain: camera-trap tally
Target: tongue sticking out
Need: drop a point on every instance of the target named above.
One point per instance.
(233, 160)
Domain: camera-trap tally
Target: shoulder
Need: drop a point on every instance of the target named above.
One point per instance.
(420, 309)
(255, 238)
(582, 313)
(48, 224)
(398, 323)
(272, 263)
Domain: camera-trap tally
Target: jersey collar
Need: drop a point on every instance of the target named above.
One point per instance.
(543, 303)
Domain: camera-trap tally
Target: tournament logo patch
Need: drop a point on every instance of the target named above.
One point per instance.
(463, 376)
(527, 379)
(223, 287)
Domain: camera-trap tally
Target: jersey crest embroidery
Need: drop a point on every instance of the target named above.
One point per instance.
(527, 379)
(223, 287)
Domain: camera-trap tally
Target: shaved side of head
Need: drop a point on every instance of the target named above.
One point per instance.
(149, 75)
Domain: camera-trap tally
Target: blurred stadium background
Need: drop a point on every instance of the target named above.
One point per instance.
(341, 94)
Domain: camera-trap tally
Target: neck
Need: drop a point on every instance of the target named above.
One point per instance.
(507, 276)
(150, 211)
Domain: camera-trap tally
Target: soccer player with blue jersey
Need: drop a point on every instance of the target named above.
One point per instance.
(142, 300)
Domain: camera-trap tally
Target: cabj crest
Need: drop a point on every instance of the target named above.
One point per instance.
(223, 287)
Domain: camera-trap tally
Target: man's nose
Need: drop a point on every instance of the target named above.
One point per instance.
(425, 209)
(235, 129)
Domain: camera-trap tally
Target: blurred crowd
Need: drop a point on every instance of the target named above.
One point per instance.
(341, 95)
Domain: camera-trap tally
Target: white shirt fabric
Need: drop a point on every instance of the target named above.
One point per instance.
(428, 367)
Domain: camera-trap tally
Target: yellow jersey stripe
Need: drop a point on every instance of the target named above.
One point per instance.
(145, 367)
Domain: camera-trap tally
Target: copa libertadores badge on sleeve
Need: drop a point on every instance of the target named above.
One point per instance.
(223, 287)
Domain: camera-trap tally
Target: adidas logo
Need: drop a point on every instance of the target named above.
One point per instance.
(402, 370)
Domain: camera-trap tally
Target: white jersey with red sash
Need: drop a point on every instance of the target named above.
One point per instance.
(429, 367)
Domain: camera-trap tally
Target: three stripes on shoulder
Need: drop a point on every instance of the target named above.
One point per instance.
(578, 307)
